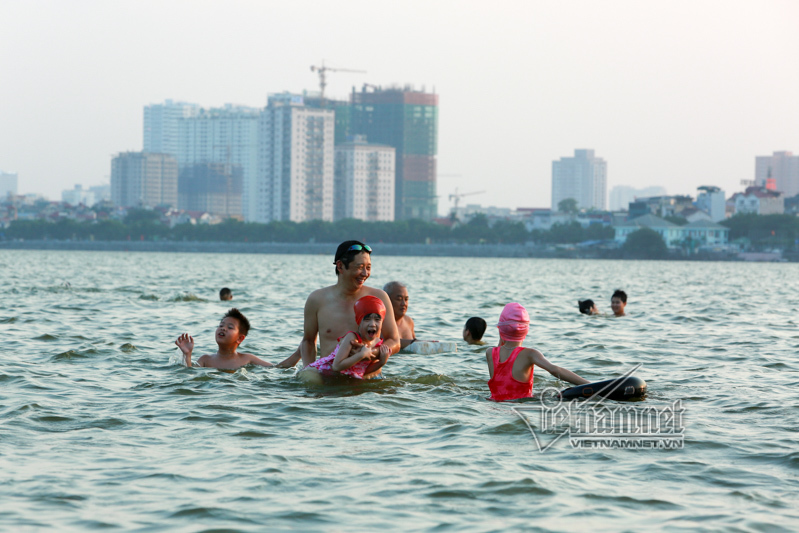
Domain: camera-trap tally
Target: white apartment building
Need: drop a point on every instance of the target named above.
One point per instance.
(295, 162)
(161, 125)
(711, 200)
(139, 179)
(8, 184)
(583, 178)
(364, 181)
(228, 136)
(78, 196)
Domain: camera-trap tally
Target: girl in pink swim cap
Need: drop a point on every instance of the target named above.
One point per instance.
(511, 366)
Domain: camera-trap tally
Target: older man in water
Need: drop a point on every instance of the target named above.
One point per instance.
(330, 314)
(398, 294)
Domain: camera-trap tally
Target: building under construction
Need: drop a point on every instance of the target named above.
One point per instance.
(215, 188)
(407, 120)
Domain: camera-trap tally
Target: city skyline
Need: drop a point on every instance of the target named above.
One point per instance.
(701, 88)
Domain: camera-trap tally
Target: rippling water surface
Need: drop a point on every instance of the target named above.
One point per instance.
(100, 428)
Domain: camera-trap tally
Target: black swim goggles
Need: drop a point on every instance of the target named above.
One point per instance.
(358, 247)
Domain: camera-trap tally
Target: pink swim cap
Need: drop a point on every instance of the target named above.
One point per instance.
(514, 322)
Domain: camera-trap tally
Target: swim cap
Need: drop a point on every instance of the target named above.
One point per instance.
(367, 305)
(514, 322)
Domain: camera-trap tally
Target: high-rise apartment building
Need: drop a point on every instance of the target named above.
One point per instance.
(783, 168)
(582, 178)
(161, 125)
(408, 121)
(140, 179)
(227, 136)
(211, 187)
(364, 181)
(8, 184)
(295, 162)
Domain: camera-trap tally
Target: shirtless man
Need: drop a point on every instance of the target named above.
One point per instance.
(398, 294)
(330, 313)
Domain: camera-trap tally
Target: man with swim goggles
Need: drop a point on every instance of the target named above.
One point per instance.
(329, 311)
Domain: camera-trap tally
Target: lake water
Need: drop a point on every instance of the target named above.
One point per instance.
(101, 429)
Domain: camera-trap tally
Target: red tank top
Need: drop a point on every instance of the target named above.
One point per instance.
(503, 385)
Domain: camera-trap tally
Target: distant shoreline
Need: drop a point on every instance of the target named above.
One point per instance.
(423, 250)
(314, 248)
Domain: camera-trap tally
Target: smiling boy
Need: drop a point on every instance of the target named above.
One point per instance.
(229, 335)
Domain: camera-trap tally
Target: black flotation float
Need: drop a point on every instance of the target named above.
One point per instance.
(628, 388)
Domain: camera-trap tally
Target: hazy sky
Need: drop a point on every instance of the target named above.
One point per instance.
(670, 93)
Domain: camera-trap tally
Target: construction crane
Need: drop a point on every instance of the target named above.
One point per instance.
(323, 78)
(457, 196)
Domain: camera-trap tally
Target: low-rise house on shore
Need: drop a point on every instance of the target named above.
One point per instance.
(699, 232)
(760, 201)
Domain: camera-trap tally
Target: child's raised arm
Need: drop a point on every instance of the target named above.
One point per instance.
(347, 354)
(560, 373)
(186, 344)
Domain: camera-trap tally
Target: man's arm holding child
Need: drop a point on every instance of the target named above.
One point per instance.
(560, 373)
(310, 330)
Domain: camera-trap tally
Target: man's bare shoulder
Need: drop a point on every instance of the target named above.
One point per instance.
(320, 295)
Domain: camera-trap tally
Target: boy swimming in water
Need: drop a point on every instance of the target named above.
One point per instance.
(353, 355)
(473, 330)
(229, 334)
(511, 365)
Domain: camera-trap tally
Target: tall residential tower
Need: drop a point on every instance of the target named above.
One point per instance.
(364, 181)
(582, 178)
(295, 162)
(783, 167)
(139, 179)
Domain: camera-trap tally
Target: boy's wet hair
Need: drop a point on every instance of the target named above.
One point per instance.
(477, 327)
(244, 324)
(620, 294)
(585, 306)
(345, 255)
(225, 293)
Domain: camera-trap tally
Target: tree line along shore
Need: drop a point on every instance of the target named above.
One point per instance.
(143, 230)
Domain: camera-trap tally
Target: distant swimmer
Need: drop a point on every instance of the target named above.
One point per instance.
(225, 294)
(329, 311)
(618, 302)
(398, 294)
(353, 355)
(473, 330)
(229, 334)
(587, 307)
(511, 366)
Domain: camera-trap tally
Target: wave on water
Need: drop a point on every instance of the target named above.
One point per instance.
(187, 297)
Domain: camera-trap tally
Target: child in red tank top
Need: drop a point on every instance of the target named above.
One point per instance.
(511, 366)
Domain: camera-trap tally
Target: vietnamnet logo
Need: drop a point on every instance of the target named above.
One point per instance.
(601, 423)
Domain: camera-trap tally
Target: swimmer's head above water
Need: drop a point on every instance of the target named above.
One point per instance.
(233, 328)
(369, 314)
(618, 302)
(514, 323)
(587, 307)
(347, 251)
(474, 330)
(225, 294)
